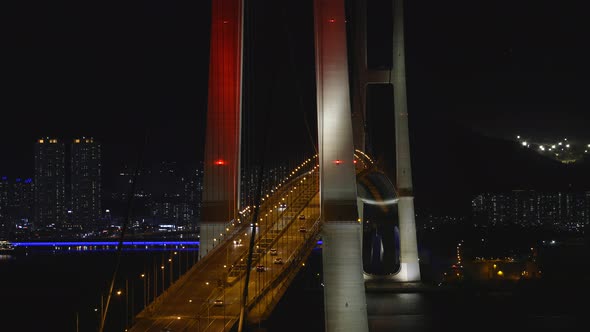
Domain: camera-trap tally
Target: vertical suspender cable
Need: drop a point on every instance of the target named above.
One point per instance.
(292, 62)
(257, 202)
(123, 230)
(254, 202)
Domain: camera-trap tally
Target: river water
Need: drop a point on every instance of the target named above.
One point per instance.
(46, 289)
(62, 290)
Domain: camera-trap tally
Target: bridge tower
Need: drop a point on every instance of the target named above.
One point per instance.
(222, 141)
(344, 291)
(396, 76)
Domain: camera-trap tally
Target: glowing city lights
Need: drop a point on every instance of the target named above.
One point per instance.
(565, 151)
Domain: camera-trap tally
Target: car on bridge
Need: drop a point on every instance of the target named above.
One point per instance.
(278, 260)
(218, 303)
(302, 229)
(273, 252)
(260, 268)
(302, 216)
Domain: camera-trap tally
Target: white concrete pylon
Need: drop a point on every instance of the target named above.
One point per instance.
(344, 290)
(410, 269)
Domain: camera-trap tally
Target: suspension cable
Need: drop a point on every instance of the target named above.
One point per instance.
(124, 229)
(296, 78)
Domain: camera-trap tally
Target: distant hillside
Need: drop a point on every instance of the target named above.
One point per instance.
(498, 165)
(452, 166)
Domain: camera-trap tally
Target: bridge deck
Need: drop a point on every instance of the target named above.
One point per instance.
(208, 296)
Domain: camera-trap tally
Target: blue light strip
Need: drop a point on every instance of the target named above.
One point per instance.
(107, 243)
(103, 243)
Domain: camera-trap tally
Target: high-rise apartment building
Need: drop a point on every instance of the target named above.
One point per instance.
(49, 182)
(4, 220)
(563, 210)
(85, 181)
(4, 190)
(490, 209)
(16, 204)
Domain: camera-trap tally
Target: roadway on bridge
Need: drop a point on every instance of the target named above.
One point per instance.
(205, 299)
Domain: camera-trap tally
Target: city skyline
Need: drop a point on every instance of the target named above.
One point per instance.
(166, 182)
(482, 170)
(136, 135)
(121, 72)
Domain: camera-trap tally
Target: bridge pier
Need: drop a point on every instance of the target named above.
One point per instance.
(344, 292)
(410, 269)
(395, 76)
(409, 263)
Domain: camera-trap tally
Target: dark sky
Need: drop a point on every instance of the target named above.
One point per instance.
(118, 70)
(499, 65)
(109, 69)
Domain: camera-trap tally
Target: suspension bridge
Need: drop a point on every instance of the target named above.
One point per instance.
(248, 256)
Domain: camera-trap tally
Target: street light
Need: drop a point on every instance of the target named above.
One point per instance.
(143, 276)
(130, 299)
(171, 270)
(119, 293)
(162, 268)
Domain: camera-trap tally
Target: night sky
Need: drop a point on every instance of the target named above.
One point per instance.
(121, 70)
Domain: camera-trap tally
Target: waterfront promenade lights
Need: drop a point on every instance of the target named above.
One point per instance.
(119, 294)
(143, 277)
(162, 268)
(171, 270)
(179, 263)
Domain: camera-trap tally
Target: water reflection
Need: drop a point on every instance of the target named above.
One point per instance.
(78, 278)
(112, 246)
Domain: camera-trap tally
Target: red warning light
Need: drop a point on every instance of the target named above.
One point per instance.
(220, 162)
(354, 161)
(331, 20)
(337, 161)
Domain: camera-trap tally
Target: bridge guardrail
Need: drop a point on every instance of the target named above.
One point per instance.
(241, 271)
(291, 270)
